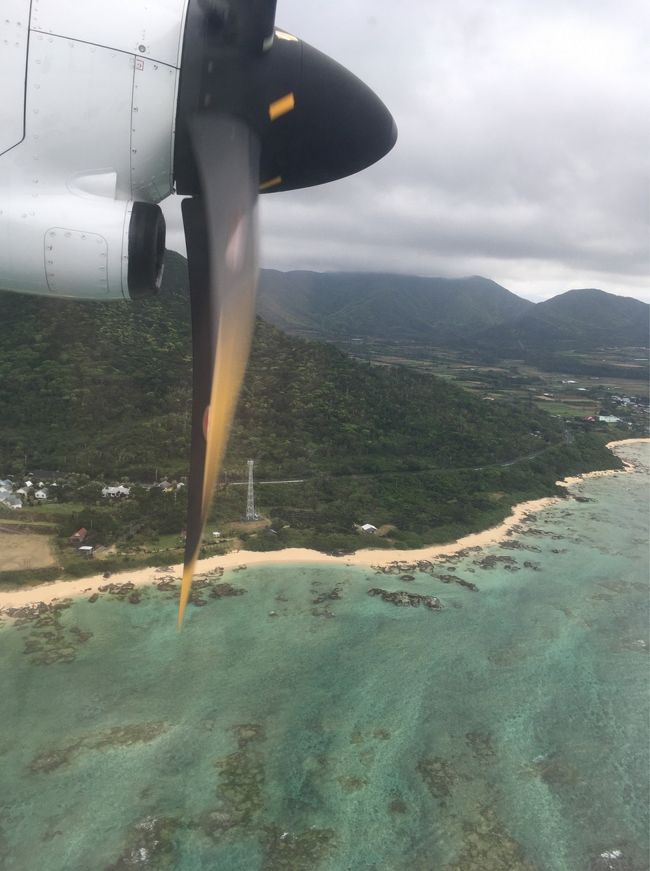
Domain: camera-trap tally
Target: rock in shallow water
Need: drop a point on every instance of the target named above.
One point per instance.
(404, 598)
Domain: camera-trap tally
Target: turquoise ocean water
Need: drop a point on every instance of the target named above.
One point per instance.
(307, 725)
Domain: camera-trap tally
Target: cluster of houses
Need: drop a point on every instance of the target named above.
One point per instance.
(630, 403)
(119, 492)
(633, 402)
(12, 495)
(122, 491)
(38, 486)
(7, 496)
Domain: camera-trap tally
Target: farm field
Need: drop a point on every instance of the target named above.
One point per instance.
(567, 387)
(21, 550)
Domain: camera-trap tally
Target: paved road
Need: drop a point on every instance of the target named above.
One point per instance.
(408, 471)
(287, 481)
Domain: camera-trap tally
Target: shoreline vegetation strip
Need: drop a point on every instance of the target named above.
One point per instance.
(52, 591)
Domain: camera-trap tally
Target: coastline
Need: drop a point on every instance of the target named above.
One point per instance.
(366, 558)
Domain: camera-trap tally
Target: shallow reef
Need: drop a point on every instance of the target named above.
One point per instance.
(151, 844)
(404, 570)
(300, 851)
(553, 770)
(492, 561)
(515, 544)
(241, 804)
(117, 736)
(481, 745)
(47, 640)
(403, 598)
(508, 735)
(438, 774)
(487, 846)
(240, 791)
(351, 784)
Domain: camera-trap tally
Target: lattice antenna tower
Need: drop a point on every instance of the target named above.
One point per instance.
(250, 499)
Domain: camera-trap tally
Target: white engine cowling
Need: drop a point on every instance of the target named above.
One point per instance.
(85, 248)
(86, 144)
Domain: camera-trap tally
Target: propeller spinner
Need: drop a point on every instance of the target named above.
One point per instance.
(258, 110)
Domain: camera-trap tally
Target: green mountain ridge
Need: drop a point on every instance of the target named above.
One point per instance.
(578, 319)
(104, 388)
(475, 313)
(348, 304)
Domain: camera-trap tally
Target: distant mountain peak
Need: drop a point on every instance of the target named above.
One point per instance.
(473, 311)
(581, 318)
(384, 305)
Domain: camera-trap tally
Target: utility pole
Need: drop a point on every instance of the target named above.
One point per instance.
(250, 500)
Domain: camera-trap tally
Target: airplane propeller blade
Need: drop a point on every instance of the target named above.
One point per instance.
(222, 242)
(255, 105)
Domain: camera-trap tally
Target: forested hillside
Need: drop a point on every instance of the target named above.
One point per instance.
(338, 305)
(104, 390)
(577, 319)
(465, 313)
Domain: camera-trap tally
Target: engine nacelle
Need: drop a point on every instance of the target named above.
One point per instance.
(84, 248)
(86, 144)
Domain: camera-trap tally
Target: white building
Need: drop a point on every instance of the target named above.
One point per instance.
(116, 492)
(9, 499)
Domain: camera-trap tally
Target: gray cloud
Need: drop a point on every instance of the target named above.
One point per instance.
(523, 147)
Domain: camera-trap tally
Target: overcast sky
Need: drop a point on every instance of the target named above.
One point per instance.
(523, 149)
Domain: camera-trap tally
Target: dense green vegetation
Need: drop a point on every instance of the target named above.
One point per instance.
(339, 305)
(578, 319)
(632, 362)
(466, 313)
(99, 388)
(103, 391)
(308, 408)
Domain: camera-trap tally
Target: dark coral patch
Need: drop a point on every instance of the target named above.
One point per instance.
(302, 851)
(438, 774)
(117, 736)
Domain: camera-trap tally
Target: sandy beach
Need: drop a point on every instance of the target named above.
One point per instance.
(367, 557)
